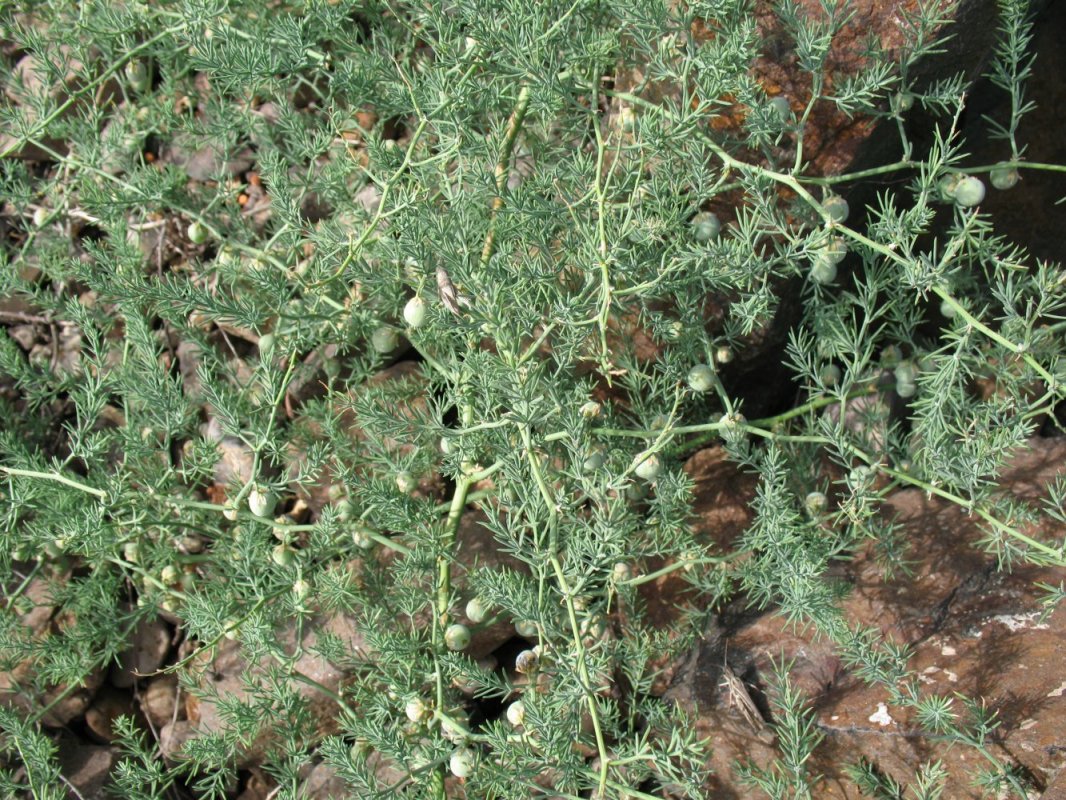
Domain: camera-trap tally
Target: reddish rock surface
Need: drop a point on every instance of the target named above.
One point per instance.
(973, 630)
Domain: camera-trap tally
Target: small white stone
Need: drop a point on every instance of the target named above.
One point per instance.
(881, 716)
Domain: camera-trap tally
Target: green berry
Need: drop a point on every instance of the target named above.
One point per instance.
(131, 551)
(591, 409)
(197, 233)
(261, 501)
(136, 73)
(1004, 176)
(781, 108)
(526, 628)
(970, 192)
(836, 251)
(384, 340)
(415, 709)
(414, 313)
(723, 355)
(906, 372)
(903, 101)
(462, 762)
(705, 226)
(836, 207)
(823, 271)
(830, 375)
(815, 502)
(362, 539)
(301, 589)
(906, 389)
(700, 378)
(283, 555)
(477, 610)
(731, 420)
(457, 637)
(649, 467)
(516, 713)
(170, 575)
(526, 662)
(595, 460)
(405, 482)
(948, 185)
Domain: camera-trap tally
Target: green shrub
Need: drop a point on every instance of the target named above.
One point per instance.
(541, 177)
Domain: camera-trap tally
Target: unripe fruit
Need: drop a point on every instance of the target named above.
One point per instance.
(948, 185)
(384, 340)
(836, 207)
(283, 555)
(594, 461)
(649, 468)
(405, 482)
(344, 510)
(815, 502)
(700, 378)
(170, 575)
(136, 73)
(906, 389)
(131, 551)
(830, 375)
(415, 709)
(362, 539)
(823, 271)
(1004, 176)
(477, 610)
(301, 589)
(414, 313)
(261, 501)
(836, 251)
(197, 233)
(525, 662)
(969, 192)
(516, 713)
(229, 511)
(525, 628)
(590, 410)
(782, 108)
(621, 572)
(462, 762)
(705, 227)
(266, 345)
(903, 101)
(906, 372)
(732, 420)
(457, 637)
(723, 355)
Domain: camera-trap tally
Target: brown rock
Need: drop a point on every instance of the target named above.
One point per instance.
(972, 630)
(159, 701)
(108, 704)
(86, 767)
(148, 647)
(324, 784)
(173, 736)
(224, 673)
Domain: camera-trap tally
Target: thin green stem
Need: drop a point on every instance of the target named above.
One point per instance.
(58, 478)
